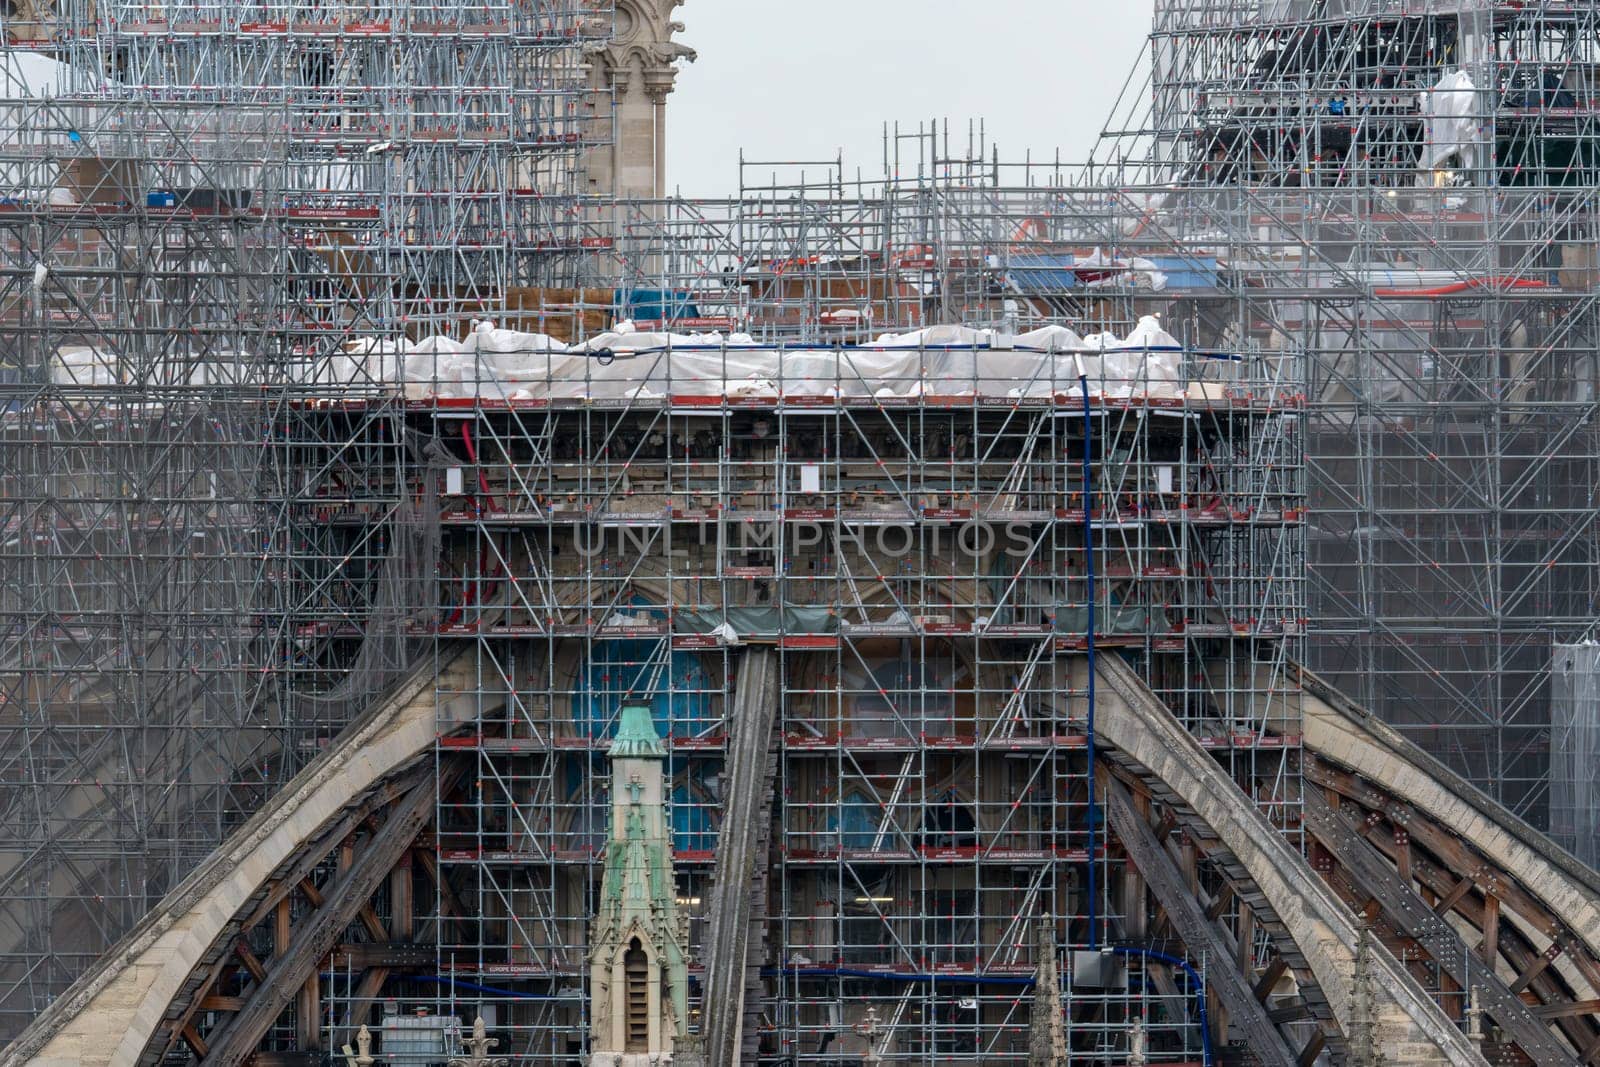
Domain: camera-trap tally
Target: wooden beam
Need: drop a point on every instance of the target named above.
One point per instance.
(1517, 950)
(373, 925)
(1246, 943)
(208, 982)
(1489, 947)
(1460, 857)
(317, 933)
(309, 858)
(449, 903)
(221, 1003)
(196, 1043)
(1535, 967)
(402, 906)
(308, 1011)
(386, 954)
(1575, 1007)
(1269, 978)
(1313, 1049)
(1450, 995)
(1452, 898)
(280, 927)
(1219, 905)
(248, 958)
(296, 873)
(367, 992)
(1170, 886)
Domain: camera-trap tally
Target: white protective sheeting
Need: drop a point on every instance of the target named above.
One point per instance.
(35, 75)
(499, 364)
(1448, 121)
(78, 365)
(1050, 339)
(1098, 270)
(1575, 749)
(931, 336)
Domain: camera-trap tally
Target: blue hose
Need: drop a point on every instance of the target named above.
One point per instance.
(908, 976)
(1088, 556)
(1094, 809)
(474, 987)
(1206, 1055)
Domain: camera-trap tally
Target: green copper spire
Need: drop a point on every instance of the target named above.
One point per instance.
(639, 927)
(636, 736)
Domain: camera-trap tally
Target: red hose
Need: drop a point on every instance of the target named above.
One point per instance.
(472, 454)
(473, 589)
(1453, 288)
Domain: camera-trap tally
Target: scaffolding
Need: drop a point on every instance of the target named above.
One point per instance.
(1333, 297)
(1399, 192)
(1574, 752)
(210, 214)
(914, 555)
(1411, 205)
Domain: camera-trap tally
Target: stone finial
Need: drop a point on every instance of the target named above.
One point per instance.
(869, 1028)
(1474, 1018)
(478, 1046)
(364, 1047)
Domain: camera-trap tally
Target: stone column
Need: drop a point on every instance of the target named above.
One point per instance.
(638, 68)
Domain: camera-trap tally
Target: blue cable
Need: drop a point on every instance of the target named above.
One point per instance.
(1206, 1054)
(907, 976)
(1094, 811)
(457, 983)
(1088, 555)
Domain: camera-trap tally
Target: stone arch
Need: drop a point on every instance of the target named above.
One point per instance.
(118, 1012)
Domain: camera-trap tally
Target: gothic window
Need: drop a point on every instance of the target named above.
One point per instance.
(636, 970)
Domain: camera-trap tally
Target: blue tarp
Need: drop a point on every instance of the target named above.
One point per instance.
(860, 818)
(1187, 272)
(680, 698)
(679, 701)
(1041, 273)
(655, 305)
(692, 826)
(680, 706)
(692, 829)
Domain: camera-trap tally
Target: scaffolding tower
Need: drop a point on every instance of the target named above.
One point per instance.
(1410, 202)
(215, 218)
(253, 470)
(913, 553)
(1397, 191)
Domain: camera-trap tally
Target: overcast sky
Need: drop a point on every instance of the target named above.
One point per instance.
(802, 80)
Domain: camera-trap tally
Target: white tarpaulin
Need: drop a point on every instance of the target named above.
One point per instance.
(1449, 110)
(1575, 749)
(501, 364)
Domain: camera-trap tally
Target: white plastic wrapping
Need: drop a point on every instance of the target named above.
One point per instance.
(1448, 123)
(508, 365)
